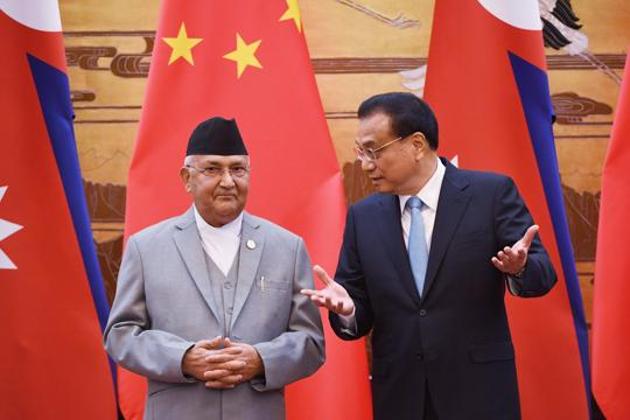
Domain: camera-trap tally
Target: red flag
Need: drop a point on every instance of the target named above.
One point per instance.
(488, 85)
(52, 361)
(248, 60)
(611, 307)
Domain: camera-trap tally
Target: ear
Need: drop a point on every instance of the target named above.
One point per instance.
(420, 144)
(184, 175)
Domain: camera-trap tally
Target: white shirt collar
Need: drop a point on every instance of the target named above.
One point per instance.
(430, 193)
(207, 230)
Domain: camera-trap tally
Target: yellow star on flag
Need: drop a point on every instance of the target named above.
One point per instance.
(244, 55)
(292, 12)
(182, 46)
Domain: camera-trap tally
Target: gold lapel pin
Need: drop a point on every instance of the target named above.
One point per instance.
(250, 244)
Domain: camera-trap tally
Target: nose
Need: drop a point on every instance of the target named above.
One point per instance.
(226, 180)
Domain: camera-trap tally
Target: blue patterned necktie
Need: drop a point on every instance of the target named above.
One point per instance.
(417, 245)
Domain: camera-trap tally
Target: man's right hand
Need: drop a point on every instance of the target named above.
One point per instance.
(332, 297)
(198, 363)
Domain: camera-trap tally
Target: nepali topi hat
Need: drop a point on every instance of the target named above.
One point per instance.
(216, 136)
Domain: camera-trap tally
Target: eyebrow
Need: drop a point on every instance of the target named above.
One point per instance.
(368, 143)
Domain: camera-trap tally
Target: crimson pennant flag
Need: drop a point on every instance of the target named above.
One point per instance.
(488, 85)
(611, 307)
(248, 59)
(52, 300)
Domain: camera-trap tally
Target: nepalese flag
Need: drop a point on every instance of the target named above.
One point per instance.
(487, 82)
(611, 306)
(248, 59)
(52, 361)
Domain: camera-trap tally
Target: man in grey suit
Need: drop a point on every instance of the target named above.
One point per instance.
(208, 304)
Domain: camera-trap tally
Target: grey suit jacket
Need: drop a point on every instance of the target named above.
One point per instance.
(164, 304)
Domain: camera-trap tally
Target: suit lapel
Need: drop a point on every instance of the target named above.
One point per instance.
(454, 199)
(189, 246)
(391, 231)
(250, 253)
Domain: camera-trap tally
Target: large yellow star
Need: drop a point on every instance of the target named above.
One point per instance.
(182, 46)
(244, 55)
(293, 12)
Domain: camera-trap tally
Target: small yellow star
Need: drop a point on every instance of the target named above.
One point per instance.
(244, 55)
(293, 12)
(182, 46)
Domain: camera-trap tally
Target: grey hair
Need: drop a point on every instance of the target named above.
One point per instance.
(188, 160)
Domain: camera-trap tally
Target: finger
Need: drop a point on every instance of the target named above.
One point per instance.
(309, 292)
(529, 236)
(497, 263)
(223, 355)
(232, 365)
(230, 379)
(216, 359)
(329, 304)
(218, 385)
(339, 307)
(322, 275)
(318, 300)
(208, 344)
(512, 253)
(215, 374)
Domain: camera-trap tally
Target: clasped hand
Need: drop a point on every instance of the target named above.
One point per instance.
(222, 364)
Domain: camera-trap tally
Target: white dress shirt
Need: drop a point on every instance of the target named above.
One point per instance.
(430, 195)
(220, 243)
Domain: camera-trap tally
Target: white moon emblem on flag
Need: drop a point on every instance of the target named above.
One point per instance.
(522, 14)
(42, 15)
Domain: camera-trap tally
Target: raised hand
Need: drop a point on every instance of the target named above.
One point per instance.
(512, 260)
(332, 297)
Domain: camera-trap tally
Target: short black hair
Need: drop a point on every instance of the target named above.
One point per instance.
(407, 114)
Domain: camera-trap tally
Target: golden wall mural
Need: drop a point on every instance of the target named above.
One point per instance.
(358, 48)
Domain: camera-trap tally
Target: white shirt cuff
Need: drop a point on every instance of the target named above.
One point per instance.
(349, 323)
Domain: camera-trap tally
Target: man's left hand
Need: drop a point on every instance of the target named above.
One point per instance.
(250, 367)
(512, 260)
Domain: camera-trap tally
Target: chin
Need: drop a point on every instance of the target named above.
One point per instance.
(382, 187)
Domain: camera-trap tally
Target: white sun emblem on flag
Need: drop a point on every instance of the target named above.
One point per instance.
(6, 229)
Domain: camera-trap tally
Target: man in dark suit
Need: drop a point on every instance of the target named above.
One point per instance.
(424, 264)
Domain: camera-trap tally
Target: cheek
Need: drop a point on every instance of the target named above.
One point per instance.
(203, 190)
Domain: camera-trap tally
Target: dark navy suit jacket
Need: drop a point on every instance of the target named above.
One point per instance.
(455, 340)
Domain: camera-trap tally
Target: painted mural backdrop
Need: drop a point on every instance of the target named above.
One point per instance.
(358, 48)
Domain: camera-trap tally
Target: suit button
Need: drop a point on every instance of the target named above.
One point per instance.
(419, 356)
(423, 312)
(227, 285)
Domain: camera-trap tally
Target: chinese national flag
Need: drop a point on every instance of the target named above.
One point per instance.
(52, 361)
(611, 309)
(487, 83)
(248, 60)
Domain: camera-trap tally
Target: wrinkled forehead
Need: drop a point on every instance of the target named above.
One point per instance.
(220, 160)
